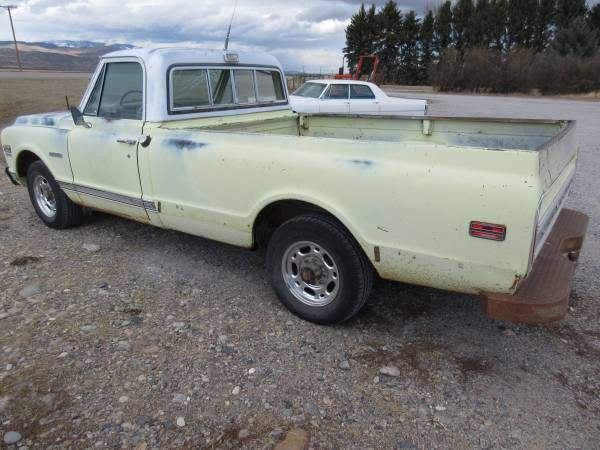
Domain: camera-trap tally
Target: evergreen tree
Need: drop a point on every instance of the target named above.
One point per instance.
(543, 27)
(443, 28)
(482, 24)
(388, 44)
(361, 35)
(568, 10)
(497, 28)
(594, 18)
(463, 15)
(409, 51)
(427, 45)
(576, 40)
(521, 21)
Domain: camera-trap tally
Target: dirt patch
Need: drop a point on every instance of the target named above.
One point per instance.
(24, 260)
(36, 400)
(473, 366)
(578, 342)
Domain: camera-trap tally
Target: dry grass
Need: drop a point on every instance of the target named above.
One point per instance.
(28, 96)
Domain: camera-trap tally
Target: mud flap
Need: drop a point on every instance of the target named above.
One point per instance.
(543, 296)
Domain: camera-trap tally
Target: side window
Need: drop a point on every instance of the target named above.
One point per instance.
(269, 87)
(244, 86)
(337, 92)
(123, 91)
(190, 88)
(220, 85)
(91, 109)
(360, 91)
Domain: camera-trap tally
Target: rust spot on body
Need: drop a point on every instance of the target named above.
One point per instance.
(516, 281)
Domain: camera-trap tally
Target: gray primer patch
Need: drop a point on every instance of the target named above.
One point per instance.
(185, 144)
(361, 162)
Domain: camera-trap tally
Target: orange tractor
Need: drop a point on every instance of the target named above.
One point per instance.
(357, 74)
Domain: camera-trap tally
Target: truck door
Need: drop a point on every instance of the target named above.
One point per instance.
(103, 153)
(362, 100)
(335, 99)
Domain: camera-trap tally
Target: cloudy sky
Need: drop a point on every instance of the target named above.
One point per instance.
(301, 33)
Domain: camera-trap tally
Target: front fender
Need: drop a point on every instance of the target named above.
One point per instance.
(46, 143)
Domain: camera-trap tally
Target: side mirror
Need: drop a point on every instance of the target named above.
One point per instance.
(78, 117)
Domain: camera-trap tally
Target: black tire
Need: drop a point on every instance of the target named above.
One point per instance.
(67, 214)
(355, 270)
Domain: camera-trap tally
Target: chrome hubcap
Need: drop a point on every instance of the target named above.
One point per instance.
(310, 273)
(44, 196)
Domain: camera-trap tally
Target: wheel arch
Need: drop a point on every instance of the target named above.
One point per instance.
(23, 160)
(276, 211)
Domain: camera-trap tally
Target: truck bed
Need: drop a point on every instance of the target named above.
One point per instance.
(539, 153)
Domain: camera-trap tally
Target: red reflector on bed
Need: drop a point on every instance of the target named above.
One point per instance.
(487, 231)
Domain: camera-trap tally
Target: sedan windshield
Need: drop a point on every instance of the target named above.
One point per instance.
(312, 90)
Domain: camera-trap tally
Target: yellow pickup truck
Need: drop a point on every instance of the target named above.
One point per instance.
(206, 143)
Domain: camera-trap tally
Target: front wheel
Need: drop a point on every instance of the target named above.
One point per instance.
(49, 201)
(317, 269)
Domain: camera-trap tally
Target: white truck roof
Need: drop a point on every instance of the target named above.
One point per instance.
(165, 57)
(156, 63)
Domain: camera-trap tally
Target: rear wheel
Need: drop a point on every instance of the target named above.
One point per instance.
(49, 201)
(317, 269)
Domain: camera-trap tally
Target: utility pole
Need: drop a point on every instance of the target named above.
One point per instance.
(12, 27)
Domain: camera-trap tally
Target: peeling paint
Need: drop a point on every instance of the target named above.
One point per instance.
(41, 120)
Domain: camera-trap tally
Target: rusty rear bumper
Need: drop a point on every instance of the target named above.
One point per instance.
(544, 295)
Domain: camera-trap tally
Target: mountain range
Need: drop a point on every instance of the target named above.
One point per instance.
(56, 55)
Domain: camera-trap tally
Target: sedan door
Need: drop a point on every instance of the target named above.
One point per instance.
(362, 100)
(335, 100)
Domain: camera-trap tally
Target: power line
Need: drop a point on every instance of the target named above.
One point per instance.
(8, 8)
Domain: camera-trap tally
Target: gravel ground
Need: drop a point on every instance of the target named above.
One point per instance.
(119, 335)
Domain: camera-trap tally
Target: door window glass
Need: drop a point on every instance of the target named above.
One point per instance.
(360, 91)
(337, 92)
(122, 95)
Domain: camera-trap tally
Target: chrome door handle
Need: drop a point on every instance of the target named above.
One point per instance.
(127, 141)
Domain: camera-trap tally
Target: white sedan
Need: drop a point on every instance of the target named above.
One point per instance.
(352, 97)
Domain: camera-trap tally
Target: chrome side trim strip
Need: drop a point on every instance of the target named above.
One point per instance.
(106, 195)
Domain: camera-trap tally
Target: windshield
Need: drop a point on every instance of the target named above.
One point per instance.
(312, 90)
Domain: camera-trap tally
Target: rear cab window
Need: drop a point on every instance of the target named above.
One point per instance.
(214, 88)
